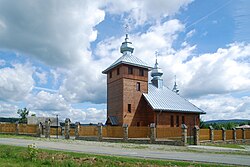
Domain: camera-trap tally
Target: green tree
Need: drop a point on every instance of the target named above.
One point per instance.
(23, 113)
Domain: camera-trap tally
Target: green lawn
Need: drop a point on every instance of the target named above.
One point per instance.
(227, 145)
(21, 156)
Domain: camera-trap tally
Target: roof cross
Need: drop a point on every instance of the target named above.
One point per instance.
(156, 55)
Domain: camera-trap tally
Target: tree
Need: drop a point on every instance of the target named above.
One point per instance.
(23, 113)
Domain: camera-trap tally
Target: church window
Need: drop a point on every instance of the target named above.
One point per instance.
(141, 72)
(118, 71)
(183, 120)
(138, 86)
(172, 121)
(110, 74)
(129, 107)
(177, 121)
(130, 70)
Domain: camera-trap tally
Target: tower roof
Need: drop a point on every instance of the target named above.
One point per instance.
(156, 71)
(127, 57)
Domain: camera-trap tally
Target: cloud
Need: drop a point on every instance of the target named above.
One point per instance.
(16, 82)
(224, 107)
(49, 104)
(140, 12)
(59, 34)
(219, 72)
(8, 109)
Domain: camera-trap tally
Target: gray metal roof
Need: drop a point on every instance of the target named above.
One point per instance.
(128, 59)
(166, 100)
(113, 120)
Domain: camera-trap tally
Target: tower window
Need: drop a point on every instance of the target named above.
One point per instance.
(110, 74)
(177, 121)
(183, 120)
(138, 86)
(129, 107)
(118, 71)
(130, 70)
(172, 121)
(141, 72)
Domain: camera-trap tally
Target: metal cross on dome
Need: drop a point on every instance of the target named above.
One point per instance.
(156, 55)
(126, 28)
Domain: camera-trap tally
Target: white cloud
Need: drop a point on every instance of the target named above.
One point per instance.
(140, 12)
(8, 109)
(15, 82)
(58, 34)
(224, 107)
(219, 72)
(49, 104)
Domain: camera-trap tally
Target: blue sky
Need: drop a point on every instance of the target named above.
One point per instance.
(52, 53)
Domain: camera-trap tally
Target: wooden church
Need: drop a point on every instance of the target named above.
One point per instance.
(133, 100)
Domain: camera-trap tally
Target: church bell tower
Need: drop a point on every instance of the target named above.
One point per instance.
(127, 80)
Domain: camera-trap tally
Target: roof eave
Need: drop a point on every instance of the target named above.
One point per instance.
(122, 62)
(186, 111)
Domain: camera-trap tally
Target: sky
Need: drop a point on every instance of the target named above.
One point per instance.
(52, 53)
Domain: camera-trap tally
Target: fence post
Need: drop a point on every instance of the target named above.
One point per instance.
(196, 135)
(47, 128)
(152, 133)
(38, 130)
(99, 126)
(224, 134)
(243, 135)
(17, 128)
(211, 135)
(67, 128)
(125, 132)
(77, 129)
(234, 134)
(184, 134)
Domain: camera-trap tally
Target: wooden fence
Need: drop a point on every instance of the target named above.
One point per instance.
(88, 131)
(204, 134)
(238, 134)
(168, 133)
(27, 129)
(53, 131)
(229, 134)
(112, 131)
(248, 134)
(8, 128)
(138, 132)
(217, 135)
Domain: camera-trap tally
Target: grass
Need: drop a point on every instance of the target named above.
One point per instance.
(237, 146)
(19, 156)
